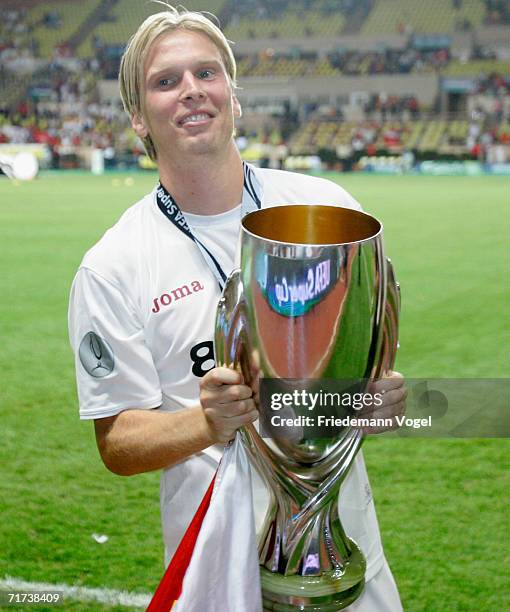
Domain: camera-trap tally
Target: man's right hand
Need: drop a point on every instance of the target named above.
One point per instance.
(135, 441)
(227, 403)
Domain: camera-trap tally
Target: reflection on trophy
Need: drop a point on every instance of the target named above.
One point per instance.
(315, 298)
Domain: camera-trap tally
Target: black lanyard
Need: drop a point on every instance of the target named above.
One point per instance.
(169, 207)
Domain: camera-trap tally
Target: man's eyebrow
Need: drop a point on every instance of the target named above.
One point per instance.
(210, 62)
(176, 69)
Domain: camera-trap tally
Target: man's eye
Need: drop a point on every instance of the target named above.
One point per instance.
(165, 82)
(206, 74)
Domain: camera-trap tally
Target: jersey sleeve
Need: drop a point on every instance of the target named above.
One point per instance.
(348, 201)
(341, 197)
(282, 187)
(114, 367)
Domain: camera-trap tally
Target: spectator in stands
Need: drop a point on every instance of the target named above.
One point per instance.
(498, 12)
(52, 19)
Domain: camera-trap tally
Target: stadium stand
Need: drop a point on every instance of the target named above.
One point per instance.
(54, 23)
(498, 12)
(58, 67)
(432, 135)
(15, 33)
(290, 23)
(13, 87)
(502, 133)
(125, 16)
(474, 68)
(434, 16)
(389, 61)
(285, 19)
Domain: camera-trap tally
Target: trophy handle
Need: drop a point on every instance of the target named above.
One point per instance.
(389, 343)
(231, 344)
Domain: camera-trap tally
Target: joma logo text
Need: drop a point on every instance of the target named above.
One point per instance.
(165, 299)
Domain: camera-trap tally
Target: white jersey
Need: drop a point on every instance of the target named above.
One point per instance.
(141, 324)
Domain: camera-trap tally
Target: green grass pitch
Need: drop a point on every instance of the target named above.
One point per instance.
(442, 504)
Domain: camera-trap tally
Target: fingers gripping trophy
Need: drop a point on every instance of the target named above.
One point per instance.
(315, 298)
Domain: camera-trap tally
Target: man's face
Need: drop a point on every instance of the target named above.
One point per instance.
(188, 103)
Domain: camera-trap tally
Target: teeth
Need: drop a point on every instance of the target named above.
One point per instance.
(198, 117)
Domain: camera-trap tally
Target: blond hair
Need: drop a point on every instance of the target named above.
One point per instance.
(131, 74)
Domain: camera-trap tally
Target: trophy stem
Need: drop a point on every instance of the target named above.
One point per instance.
(307, 561)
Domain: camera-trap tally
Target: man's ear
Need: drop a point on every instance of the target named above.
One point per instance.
(238, 111)
(139, 125)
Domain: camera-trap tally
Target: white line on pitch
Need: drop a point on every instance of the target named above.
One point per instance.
(78, 593)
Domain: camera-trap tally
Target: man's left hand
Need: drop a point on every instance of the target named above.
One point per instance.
(394, 393)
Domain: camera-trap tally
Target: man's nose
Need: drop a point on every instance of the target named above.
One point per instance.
(191, 87)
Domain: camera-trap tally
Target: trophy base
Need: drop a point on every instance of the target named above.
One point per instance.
(271, 602)
(328, 592)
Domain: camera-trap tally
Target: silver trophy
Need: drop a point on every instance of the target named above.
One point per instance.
(315, 299)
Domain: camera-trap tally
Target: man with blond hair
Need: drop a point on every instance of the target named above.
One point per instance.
(143, 301)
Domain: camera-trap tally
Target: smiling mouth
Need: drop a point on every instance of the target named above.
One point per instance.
(195, 118)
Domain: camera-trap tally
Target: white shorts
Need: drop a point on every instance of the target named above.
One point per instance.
(380, 594)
